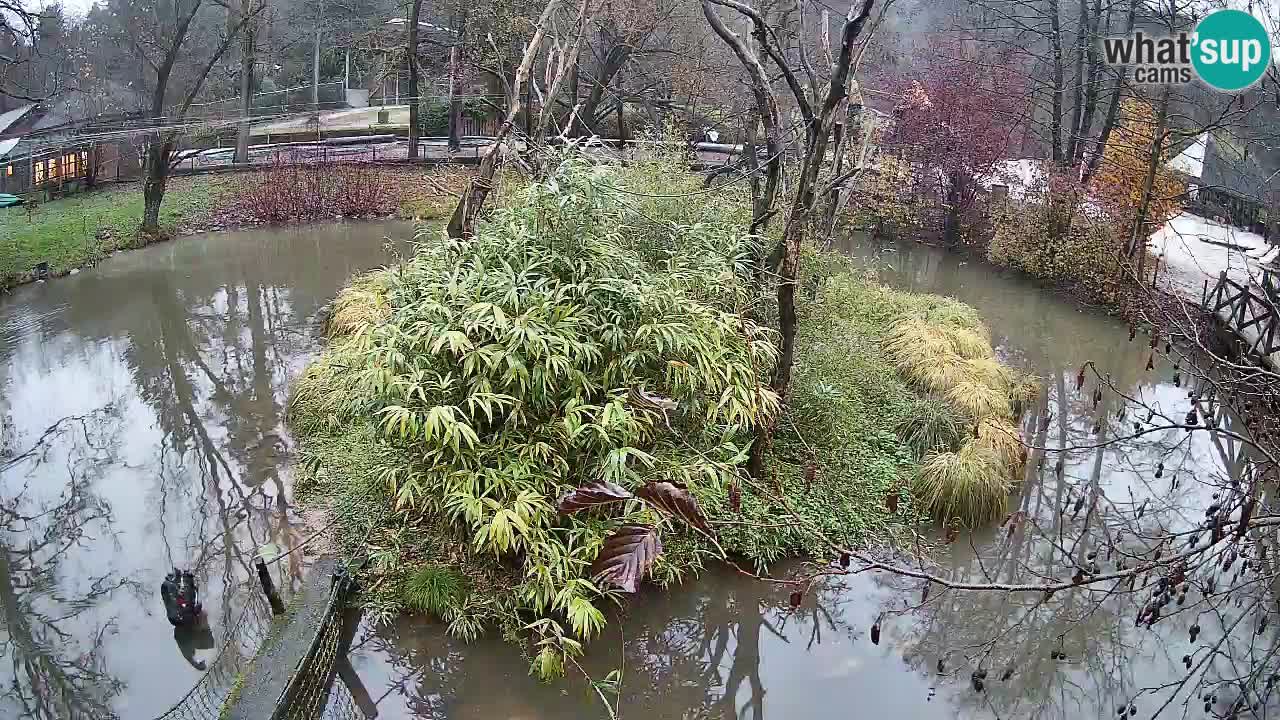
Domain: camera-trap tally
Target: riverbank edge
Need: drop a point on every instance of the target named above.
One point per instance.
(211, 218)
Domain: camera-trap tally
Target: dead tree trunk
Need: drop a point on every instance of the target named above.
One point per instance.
(819, 127)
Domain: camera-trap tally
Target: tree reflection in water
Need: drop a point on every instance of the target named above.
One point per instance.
(49, 640)
(194, 344)
(696, 652)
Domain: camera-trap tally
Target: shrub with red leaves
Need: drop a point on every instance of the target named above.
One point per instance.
(317, 191)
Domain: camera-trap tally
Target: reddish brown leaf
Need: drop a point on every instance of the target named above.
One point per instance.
(796, 598)
(675, 501)
(1246, 514)
(597, 493)
(875, 632)
(626, 556)
(1080, 379)
(810, 473)
(953, 532)
(891, 501)
(735, 496)
(844, 559)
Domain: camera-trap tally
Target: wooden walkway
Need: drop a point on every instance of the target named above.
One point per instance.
(1251, 312)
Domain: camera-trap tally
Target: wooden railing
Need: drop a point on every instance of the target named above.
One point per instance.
(1250, 311)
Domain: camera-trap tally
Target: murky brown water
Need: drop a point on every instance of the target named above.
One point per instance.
(172, 363)
(142, 404)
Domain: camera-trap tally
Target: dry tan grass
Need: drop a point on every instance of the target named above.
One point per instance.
(359, 305)
(1001, 438)
(969, 344)
(969, 485)
(978, 400)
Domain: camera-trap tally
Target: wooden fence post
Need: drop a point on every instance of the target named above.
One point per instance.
(269, 588)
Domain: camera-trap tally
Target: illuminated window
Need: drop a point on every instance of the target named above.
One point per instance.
(9, 171)
(39, 169)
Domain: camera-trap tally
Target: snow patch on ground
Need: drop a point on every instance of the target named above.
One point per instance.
(1187, 260)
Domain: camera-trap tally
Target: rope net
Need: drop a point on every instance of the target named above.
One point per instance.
(206, 699)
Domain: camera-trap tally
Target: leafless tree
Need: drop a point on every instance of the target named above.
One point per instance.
(170, 41)
(550, 24)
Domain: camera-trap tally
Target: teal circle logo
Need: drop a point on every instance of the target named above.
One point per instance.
(1232, 50)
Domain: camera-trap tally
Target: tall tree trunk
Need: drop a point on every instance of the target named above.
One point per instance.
(455, 105)
(247, 58)
(1113, 109)
(1055, 43)
(799, 219)
(315, 58)
(1077, 93)
(766, 106)
(155, 183)
(1140, 233)
(951, 221)
(411, 50)
(833, 195)
(1093, 60)
(614, 61)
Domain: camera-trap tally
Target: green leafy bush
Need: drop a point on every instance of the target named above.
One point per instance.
(525, 406)
(512, 368)
(1088, 258)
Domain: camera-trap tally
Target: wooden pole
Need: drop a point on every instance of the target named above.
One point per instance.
(269, 588)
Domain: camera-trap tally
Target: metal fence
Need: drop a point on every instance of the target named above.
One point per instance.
(311, 693)
(298, 99)
(244, 638)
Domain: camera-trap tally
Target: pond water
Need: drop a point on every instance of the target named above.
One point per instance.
(142, 404)
(141, 419)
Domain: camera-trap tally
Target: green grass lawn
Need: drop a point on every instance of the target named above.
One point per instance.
(79, 229)
(72, 231)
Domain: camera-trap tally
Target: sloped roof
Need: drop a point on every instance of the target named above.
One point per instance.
(14, 116)
(1231, 165)
(7, 146)
(1191, 160)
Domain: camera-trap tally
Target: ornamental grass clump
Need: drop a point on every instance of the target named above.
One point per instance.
(568, 344)
(970, 484)
(945, 354)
